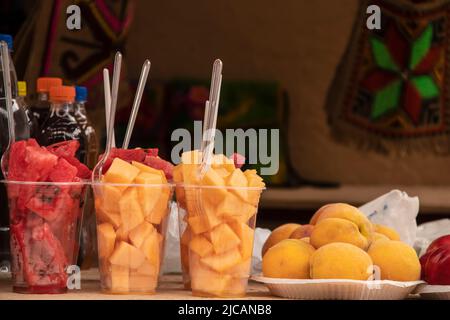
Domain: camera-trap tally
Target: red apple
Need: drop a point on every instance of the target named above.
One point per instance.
(436, 266)
(439, 242)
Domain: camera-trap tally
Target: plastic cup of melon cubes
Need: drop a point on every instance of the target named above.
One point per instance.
(131, 226)
(216, 237)
(45, 220)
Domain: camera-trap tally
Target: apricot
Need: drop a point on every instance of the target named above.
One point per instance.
(279, 234)
(387, 231)
(396, 260)
(340, 261)
(288, 259)
(347, 212)
(337, 230)
(378, 236)
(303, 231)
(317, 214)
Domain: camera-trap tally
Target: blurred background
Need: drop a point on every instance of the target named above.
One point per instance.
(361, 112)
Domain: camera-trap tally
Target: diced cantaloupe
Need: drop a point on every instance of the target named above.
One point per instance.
(106, 238)
(119, 278)
(110, 196)
(161, 207)
(105, 216)
(201, 246)
(149, 195)
(121, 172)
(241, 270)
(222, 172)
(191, 157)
(223, 238)
(186, 236)
(202, 223)
(184, 253)
(245, 234)
(222, 161)
(213, 179)
(122, 234)
(233, 208)
(127, 255)
(151, 248)
(254, 181)
(224, 261)
(138, 234)
(179, 190)
(144, 168)
(142, 283)
(148, 269)
(237, 287)
(206, 281)
(130, 211)
(238, 183)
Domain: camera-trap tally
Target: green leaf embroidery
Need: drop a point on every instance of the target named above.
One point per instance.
(386, 99)
(421, 46)
(382, 56)
(426, 86)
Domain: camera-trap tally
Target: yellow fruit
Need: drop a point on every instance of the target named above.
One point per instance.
(238, 181)
(105, 216)
(233, 208)
(201, 246)
(126, 255)
(302, 232)
(121, 172)
(148, 195)
(130, 211)
(337, 230)
(288, 259)
(347, 212)
(148, 269)
(279, 234)
(220, 161)
(224, 261)
(223, 238)
(161, 208)
(340, 261)
(387, 231)
(151, 249)
(378, 236)
(396, 260)
(191, 157)
(245, 234)
(138, 234)
(106, 238)
(144, 168)
(119, 278)
(110, 197)
(205, 281)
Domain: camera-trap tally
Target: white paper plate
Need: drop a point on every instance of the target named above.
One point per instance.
(338, 289)
(432, 292)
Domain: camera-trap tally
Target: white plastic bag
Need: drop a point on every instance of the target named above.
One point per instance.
(427, 232)
(397, 210)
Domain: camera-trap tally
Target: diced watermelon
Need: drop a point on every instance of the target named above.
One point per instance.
(124, 154)
(39, 161)
(238, 159)
(152, 152)
(160, 164)
(65, 149)
(63, 171)
(50, 201)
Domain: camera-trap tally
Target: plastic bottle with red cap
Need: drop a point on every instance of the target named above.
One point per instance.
(40, 107)
(60, 124)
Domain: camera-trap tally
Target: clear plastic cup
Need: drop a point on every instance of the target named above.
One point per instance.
(45, 221)
(216, 237)
(131, 228)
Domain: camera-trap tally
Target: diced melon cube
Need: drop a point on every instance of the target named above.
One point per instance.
(191, 157)
(237, 287)
(110, 196)
(161, 207)
(223, 238)
(130, 210)
(119, 278)
(222, 172)
(245, 234)
(148, 269)
(203, 222)
(201, 246)
(142, 283)
(184, 252)
(241, 270)
(222, 161)
(238, 181)
(106, 238)
(121, 172)
(224, 261)
(206, 281)
(127, 255)
(122, 234)
(186, 236)
(146, 169)
(105, 216)
(149, 195)
(254, 181)
(233, 208)
(151, 248)
(138, 234)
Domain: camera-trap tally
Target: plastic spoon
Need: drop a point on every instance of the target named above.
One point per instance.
(107, 90)
(9, 106)
(97, 173)
(136, 103)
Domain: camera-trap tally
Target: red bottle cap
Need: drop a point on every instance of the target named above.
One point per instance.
(62, 94)
(44, 84)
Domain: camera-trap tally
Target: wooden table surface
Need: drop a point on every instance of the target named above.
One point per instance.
(170, 288)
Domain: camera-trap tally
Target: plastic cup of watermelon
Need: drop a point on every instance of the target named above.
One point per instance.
(131, 227)
(216, 237)
(45, 221)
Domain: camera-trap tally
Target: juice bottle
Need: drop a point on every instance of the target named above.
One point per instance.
(61, 125)
(23, 103)
(22, 130)
(88, 252)
(40, 107)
